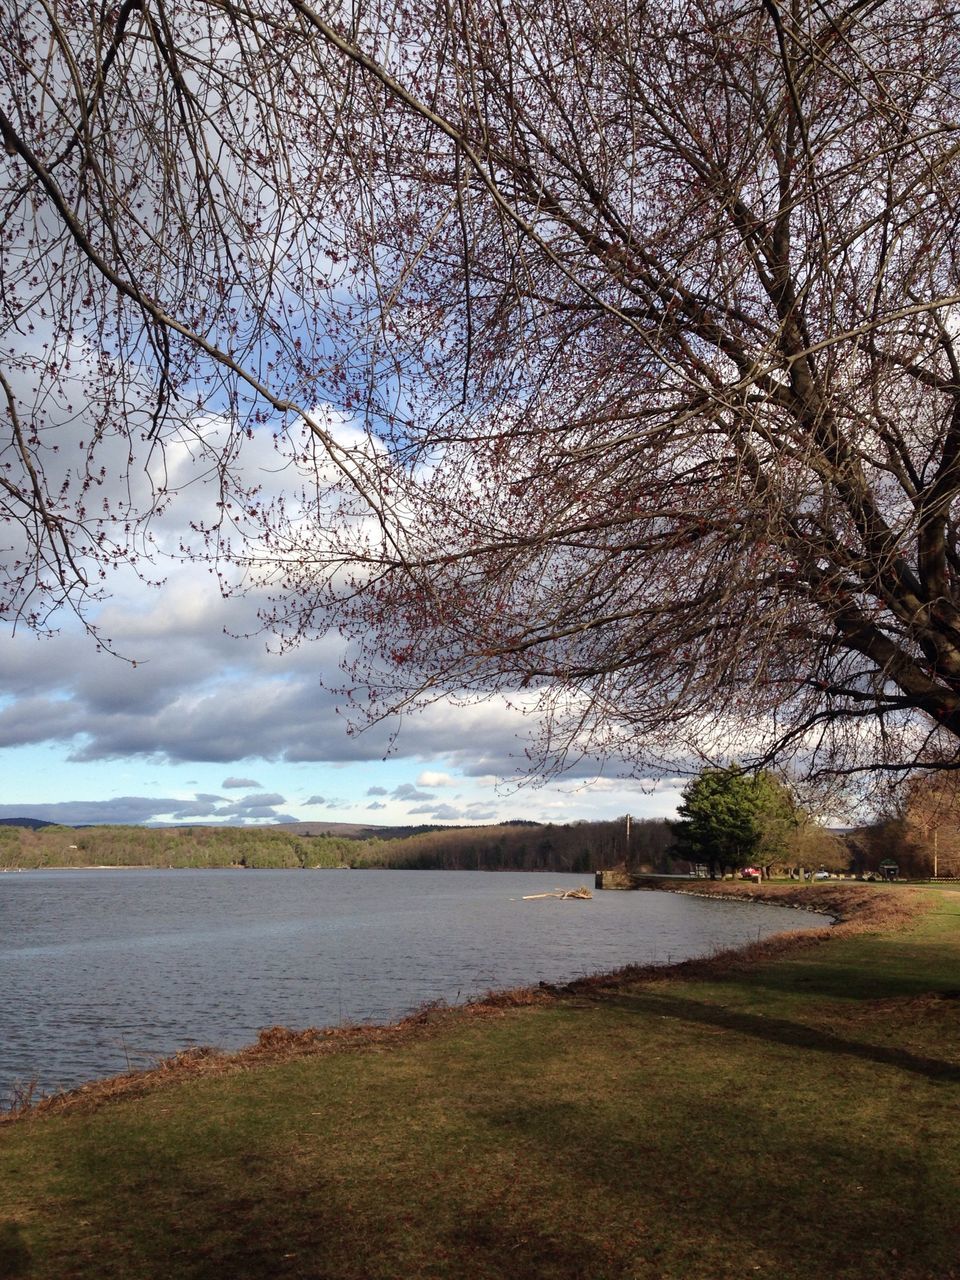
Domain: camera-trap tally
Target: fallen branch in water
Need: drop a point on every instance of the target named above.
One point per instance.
(582, 892)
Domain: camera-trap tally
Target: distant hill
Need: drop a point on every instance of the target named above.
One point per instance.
(345, 830)
(370, 831)
(348, 830)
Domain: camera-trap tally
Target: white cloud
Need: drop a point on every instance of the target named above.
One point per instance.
(430, 778)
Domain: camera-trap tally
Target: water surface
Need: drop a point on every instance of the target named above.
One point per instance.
(104, 970)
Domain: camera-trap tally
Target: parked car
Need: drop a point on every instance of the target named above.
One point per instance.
(822, 875)
(750, 873)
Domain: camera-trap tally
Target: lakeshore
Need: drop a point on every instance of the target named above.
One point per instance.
(105, 971)
(785, 1110)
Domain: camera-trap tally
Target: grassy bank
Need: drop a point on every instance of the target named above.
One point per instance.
(792, 1115)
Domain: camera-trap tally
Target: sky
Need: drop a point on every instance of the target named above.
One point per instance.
(201, 720)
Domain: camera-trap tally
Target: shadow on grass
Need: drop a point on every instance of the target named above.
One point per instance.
(539, 1182)
(14, 1254)
(306, 1221)
(724, 1190)
(782, 1031)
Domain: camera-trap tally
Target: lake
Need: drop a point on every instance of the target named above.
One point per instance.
(104, 970)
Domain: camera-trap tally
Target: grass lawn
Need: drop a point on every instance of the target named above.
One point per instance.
(797, 1116)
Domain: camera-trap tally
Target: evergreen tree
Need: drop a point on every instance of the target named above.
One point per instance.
(730, 818)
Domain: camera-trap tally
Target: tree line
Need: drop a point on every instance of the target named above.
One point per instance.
(920, 832)
(576, 848)
(728, 819)
(162, 847)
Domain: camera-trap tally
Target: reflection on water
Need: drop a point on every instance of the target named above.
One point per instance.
(103, 970)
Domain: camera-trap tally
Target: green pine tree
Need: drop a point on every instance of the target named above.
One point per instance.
(730, 819)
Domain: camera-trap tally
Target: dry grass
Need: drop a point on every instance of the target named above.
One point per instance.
(854, 909)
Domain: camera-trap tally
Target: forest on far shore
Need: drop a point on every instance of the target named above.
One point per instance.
(577, 848)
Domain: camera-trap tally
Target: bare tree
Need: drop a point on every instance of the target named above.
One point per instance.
(925, 833)
(649, 311)
(172, 262)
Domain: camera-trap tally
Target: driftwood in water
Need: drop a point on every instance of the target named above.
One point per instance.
(582, 892)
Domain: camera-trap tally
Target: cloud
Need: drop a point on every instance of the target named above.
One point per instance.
(38, 720)
(407, 793)
(124, 809)
(186, 811)
(430, 778)
(201, 695)
(207, 688)
(136, 810)
(258, 802)
(480, 812)
(447, 813)
(329, 802)
(259, 808)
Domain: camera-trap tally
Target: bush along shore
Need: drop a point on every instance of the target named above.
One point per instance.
(789, 1109)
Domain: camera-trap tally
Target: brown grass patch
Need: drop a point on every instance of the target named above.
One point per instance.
(927, 1004)
(854, 909)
